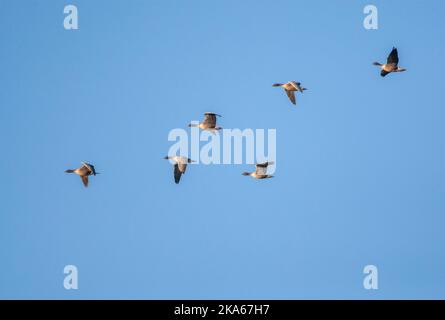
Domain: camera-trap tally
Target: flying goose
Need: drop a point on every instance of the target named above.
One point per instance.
(84, 171)
(290, 88)
(391, 63)
(260, 172)
(209, 122)
(180, 166)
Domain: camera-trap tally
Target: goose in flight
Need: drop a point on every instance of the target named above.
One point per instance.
(209, 122)
(180, 165)
(84, 171)
(260, 172)
(391, 64)
(290, 88)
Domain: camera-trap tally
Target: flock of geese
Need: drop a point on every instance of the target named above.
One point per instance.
(209, 123)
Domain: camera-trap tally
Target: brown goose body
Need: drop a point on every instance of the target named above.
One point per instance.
(84, 172)
(290, 88)
(260, 172)
(209, 122)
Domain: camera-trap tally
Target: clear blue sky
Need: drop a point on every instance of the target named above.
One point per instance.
(360, 161)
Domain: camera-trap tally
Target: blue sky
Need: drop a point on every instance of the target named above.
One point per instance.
(360, 161)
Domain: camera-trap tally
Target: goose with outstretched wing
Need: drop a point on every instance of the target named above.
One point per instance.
(391, 65)
(84, 171)
(209, 122)
(290, 88)
(179, 166)
(260, 172)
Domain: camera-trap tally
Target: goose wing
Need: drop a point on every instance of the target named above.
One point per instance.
(393, 57)
(177, 173)
(84, 180)
(291, 96)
